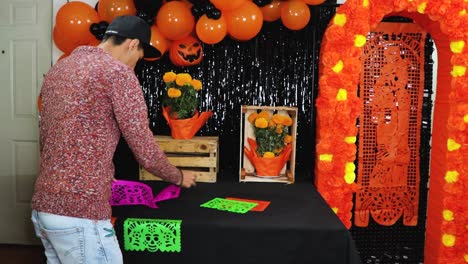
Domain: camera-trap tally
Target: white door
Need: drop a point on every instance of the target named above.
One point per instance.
(25, 55)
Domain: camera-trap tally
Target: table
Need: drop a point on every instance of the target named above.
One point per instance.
(297, 227)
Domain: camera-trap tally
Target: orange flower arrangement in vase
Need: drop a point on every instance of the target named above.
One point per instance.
(180, 105)
(272, 147)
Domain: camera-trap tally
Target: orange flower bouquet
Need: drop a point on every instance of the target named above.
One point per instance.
(272, 147)
(180, 105)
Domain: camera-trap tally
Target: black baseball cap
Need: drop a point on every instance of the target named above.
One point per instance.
(134, 27)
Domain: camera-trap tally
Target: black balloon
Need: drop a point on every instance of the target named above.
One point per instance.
(197, 11)
(149, 7)
(262, 3)
(94, 28)
(149, 19)
(209, 7)
(99, 29)
(214, 14)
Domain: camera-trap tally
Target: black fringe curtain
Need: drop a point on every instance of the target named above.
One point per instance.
(276, 68)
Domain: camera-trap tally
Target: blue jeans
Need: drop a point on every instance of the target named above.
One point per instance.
(70, 240)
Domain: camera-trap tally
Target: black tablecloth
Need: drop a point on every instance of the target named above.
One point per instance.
(297, 227)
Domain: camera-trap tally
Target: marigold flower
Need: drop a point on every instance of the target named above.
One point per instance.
(350, 177)
(458, 71)
(339, 19)
(448, 240)
(359, 41)
(181, 96)
(183, 79)
(252, 117)
(350, 140)
(448, 215)
(326, 157)
(422, 7)
(287, 121)
(342, 95)
(261, 122)
(335, 209)
(457, 46)
(271, 124)
(279, 129)
(452, 145)
(451, 176)
(350, 167)
(288, 139)
(338, 66)
(277, 118)
(174, 92)
(264, 114)
(197, 84)
(268, 154)
(169, 77)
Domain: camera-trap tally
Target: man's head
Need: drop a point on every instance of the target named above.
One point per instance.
(133, 27)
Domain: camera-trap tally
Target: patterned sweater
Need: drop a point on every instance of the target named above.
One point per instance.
(88, 100)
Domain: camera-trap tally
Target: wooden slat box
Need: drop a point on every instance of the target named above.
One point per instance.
(247, 170)
(199, 154)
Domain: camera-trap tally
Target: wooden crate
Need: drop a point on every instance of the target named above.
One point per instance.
(199, 154)
(247, 170)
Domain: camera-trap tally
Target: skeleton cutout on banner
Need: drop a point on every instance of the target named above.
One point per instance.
(391, 87)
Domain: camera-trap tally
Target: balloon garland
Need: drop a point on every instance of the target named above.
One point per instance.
(209, 21)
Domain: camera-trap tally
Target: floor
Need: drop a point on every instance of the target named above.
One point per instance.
(21, 254)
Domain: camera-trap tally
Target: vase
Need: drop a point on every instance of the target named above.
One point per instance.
(188, 127)
(267, 167)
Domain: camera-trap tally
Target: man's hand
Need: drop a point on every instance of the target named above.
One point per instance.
(189, 179)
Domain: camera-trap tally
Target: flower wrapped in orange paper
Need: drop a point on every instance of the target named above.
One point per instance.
(272, 146)
(180, 105)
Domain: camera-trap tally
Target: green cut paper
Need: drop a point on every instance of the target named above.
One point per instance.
(152, 235)
(229, 205)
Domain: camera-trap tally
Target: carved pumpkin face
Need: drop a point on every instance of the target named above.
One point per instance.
(186, 52)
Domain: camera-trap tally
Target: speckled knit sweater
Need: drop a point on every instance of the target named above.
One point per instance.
(89, 100)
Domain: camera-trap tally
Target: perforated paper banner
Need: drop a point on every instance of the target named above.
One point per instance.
(261, 205)
(152, 235)
(137, 193)
(391, 87)
(170, 192)
(229, 205)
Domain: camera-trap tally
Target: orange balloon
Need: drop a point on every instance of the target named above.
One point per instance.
(64, 44)
(109, 9)
(73, 21)
(158, 41)
(272, 11)
(226, 5)
(244, 22)
(314, 2)
(211, 31)
(175, 20)
(188, 3)
(295, 14)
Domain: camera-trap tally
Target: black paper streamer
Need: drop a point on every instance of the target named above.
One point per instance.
(276, 68)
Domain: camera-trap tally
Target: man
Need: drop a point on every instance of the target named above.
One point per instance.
(88, 100)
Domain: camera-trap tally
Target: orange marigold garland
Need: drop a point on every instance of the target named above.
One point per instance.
(454, 23)
(336, 137)
(337, 103)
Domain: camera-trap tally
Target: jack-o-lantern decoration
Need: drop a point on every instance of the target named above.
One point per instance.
(186, 52)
